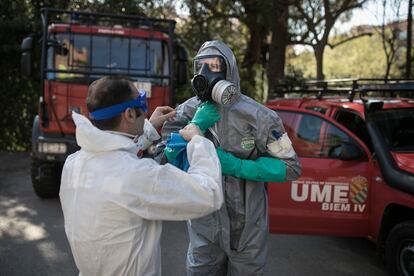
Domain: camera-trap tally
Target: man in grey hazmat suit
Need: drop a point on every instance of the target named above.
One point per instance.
(253, 148)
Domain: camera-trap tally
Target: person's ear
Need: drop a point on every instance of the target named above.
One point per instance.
(129, 115)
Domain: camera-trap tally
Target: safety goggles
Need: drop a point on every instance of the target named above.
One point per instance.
(216, 64)
(114, 110)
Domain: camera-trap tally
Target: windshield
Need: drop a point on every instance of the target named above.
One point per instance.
(397, 126)
(106, 54)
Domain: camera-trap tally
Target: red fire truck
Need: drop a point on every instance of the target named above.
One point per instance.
(80, 47)
(357, 157)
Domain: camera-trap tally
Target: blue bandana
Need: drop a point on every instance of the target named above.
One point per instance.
(177, 143)
(114, 110)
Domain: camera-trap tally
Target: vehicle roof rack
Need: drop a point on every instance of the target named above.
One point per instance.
(72, 17)
(351, 87)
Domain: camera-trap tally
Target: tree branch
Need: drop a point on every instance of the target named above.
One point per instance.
(346, 7)
(348, 39)
(308, 21)
(300, 42)
(216, 14)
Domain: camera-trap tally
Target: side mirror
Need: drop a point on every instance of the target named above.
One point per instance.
(26, 62)
(58, 48)
(182, 58)
(346, 151)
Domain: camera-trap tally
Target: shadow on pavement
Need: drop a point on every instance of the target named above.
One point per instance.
(31, 229)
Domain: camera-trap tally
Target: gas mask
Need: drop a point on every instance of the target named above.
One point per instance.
(209, 82)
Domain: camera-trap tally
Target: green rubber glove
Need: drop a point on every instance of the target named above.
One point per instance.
(265, 169)
(230, 164)
(206, 116)
(171, 154)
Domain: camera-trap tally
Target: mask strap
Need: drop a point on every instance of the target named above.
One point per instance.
(114, 110)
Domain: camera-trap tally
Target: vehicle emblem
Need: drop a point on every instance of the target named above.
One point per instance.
(358, 190)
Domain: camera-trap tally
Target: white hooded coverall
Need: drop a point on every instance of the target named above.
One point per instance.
(113, 201)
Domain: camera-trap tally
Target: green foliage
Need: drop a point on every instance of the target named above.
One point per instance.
(18, 96)
(259, 90)
(360, 58)
(301, 60)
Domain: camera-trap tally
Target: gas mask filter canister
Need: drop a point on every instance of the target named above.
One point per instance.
(224, 92)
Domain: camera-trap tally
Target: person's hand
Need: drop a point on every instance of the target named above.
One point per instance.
(206, 116)
(190, 131)
(160, 115)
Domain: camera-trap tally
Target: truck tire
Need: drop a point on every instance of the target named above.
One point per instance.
(45, 177)
(399, 250)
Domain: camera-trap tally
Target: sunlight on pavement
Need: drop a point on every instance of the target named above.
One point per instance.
(49, 251)
(15, 221)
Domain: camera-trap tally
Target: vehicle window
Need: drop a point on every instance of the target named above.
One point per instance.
(156, 57)
(355, 124)
(334, 141)
(315, 137)
(64, 41)
(119, 53)
(79, 53)
(139, 61)
(156, 61)
(100, 55)
(309, 128)
(73, 54)
(108, 54)
(397, 127)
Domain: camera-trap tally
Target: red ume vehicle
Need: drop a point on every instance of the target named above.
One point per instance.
(357, 156)
(80, 47)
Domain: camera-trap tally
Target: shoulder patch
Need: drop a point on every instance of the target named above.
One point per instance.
(247, 143)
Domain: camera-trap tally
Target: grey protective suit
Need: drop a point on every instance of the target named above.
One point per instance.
(233, 240)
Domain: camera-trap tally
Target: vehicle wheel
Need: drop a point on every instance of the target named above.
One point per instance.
(399, 249)
(45, 178)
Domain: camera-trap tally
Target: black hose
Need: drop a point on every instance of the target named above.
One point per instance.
(393, 175)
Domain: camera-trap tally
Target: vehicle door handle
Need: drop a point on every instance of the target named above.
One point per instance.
(378, 179)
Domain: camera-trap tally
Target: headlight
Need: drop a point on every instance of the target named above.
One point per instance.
(57, 148)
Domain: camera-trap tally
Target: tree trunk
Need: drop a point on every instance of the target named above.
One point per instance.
(318, 51)
(387, 70)
(257, 32)
(277, 49)
(254, 46)
(409, 42)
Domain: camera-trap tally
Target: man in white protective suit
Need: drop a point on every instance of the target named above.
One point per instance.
(113, 200)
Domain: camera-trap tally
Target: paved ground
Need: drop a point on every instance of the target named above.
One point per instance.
(32, 239)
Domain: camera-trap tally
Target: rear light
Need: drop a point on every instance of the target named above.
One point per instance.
(56, 148)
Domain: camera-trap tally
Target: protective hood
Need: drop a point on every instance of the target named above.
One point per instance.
(216, 47)
(91, 138)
